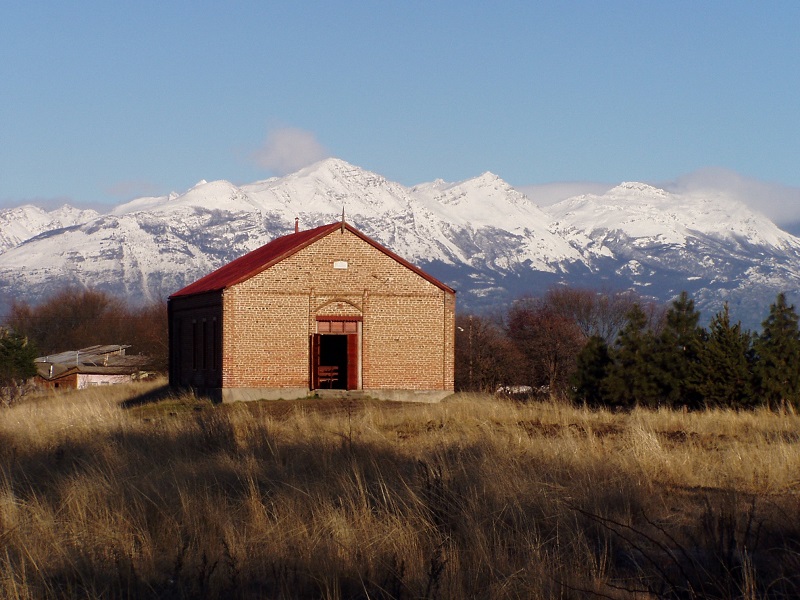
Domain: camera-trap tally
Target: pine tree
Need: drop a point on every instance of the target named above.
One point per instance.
(632, 377)
(592, 365)
(777, 352)
(678, 349)
(16, 364)
(724, 376)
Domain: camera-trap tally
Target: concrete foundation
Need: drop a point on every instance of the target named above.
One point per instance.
(429, 396)
(295, 393)
(426, 396)
(250, 394)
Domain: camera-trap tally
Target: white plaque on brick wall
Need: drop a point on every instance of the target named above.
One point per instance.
(340, 264)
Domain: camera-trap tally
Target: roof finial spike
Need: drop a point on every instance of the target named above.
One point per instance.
(342, 219)
(297, 224)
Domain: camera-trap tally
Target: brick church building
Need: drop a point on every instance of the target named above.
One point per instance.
(326, 308)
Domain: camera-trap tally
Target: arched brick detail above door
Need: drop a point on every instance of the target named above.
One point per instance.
(337, 307)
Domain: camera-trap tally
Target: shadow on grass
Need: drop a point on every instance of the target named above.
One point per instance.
(162, 392)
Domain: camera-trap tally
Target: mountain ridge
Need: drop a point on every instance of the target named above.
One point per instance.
(481, 236)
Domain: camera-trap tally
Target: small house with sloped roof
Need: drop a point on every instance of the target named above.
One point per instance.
(87, 367)
(326, 308)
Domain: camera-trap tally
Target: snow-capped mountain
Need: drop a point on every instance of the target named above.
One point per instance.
(481, 236)
(23, 222)
(710, 245)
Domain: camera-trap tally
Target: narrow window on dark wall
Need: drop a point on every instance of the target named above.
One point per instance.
(204, 345)
(214, 343)
(195, 344)
(175, 349)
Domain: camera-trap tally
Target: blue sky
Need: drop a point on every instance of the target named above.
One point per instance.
(101, 102)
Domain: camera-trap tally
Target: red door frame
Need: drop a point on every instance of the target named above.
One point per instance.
(353, 373)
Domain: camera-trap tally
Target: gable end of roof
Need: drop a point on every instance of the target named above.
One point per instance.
(260, 259)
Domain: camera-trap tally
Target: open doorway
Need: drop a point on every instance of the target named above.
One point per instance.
(333, 362)
(335, 356)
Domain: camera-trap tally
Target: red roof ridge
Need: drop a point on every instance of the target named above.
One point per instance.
(271, 253)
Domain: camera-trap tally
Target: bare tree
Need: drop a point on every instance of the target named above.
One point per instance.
(549, 341)
(70, 319)
(148, 333)
(485, 357)
(73, 319)
(595, 312)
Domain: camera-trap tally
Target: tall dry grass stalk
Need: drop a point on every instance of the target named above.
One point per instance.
(473, 497)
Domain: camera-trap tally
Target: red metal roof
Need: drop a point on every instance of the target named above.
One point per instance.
(277, 250)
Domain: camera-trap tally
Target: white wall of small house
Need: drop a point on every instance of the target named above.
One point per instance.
(88, 380)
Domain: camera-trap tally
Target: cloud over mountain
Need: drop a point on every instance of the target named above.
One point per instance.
(288, 149)
(780, 203)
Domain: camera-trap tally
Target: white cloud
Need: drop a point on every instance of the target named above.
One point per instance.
(780, 203)
(288, 149)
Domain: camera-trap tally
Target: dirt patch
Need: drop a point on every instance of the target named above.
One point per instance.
(536, 428)
(705, 441)
(274, 409)
(782, 437)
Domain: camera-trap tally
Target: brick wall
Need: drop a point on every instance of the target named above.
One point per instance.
(407, 321)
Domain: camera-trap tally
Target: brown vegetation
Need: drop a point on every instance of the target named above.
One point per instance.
(107, 494)
(536, 341)
(73, 318)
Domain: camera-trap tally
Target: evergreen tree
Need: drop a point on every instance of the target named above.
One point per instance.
(777, 352)
(632, 377)
(678, 350)
(592, 365)
(16, 364)
(724, 377)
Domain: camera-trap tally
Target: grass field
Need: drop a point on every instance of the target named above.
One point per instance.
(129, 492)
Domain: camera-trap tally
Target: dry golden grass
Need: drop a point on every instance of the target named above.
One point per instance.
(121, 492)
